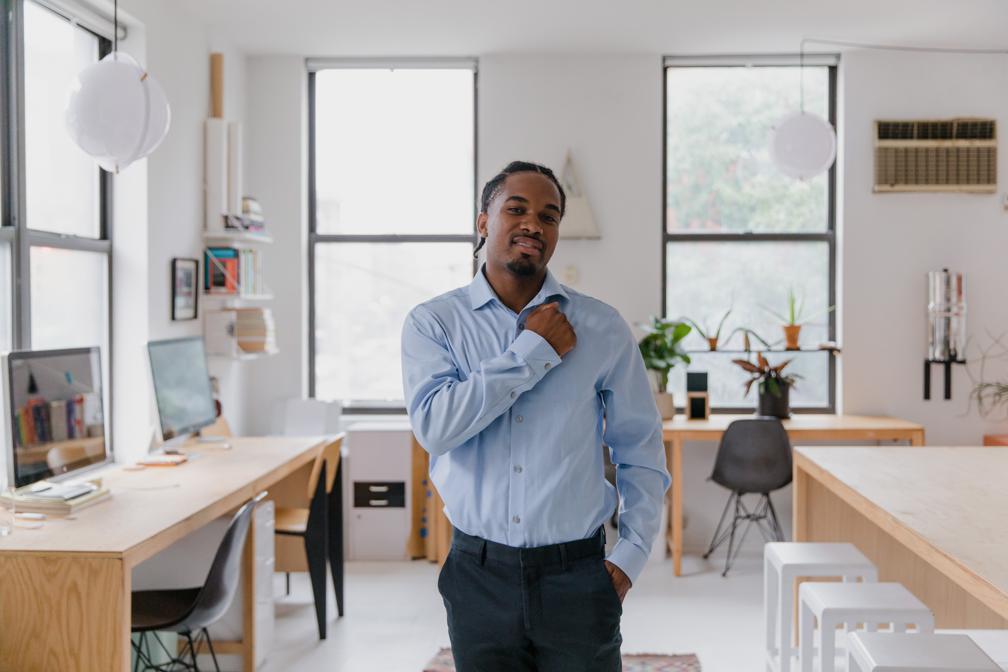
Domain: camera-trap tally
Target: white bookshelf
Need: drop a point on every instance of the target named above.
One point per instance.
(236, 238)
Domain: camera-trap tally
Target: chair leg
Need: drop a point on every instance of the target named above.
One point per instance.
(287, 577)
(316, 541)
(731, 538)
(335, 545)
(715, 541)
(213, 654)
(192, 652)
(775, 519)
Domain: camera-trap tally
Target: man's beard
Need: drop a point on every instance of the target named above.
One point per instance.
(522, 266)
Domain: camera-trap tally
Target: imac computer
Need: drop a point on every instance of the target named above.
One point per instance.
(182, 389)
(55, 425)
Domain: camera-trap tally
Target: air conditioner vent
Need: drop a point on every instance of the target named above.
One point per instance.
(943, 155)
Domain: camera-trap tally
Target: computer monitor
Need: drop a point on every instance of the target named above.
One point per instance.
(181, 386)
(55, 422)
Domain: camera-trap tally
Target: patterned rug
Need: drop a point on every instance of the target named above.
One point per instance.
(632, 662)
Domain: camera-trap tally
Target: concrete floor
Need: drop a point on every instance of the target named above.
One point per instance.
(395, 619)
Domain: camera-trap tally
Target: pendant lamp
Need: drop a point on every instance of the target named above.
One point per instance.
(802, 144)
(117, 113)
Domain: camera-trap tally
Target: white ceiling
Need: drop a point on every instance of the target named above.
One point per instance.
(477, 27)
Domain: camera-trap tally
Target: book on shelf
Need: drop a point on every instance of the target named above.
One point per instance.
(233, 271)
(39, 421)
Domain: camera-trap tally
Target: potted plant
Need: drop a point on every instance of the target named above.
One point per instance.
(661, 349)
(712, 337)
(794, 318)
(774, 385)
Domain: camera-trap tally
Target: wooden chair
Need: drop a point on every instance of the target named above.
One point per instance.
(321, 527)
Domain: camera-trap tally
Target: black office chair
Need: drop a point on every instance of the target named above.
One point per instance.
(754, 457)
(190, 611)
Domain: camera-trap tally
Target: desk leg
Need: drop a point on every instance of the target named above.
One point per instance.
(336, 537)
(677, 505)
(64, 612)
(249, 602)
(799, 513)
(917, 438)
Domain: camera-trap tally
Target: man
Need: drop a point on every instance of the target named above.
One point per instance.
(512, 385)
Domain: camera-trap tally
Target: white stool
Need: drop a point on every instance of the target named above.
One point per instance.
(900, 652)
(992, 642)
(873, 604)
(782, 563)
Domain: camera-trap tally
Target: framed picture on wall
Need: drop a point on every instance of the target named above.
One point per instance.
(184, 288)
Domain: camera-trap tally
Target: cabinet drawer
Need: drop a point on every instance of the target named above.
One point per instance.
(379, 494)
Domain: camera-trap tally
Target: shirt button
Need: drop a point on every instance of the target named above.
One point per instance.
(516, 520)
(518, 469)
(514, 394)
(547, 365)
(519, 419)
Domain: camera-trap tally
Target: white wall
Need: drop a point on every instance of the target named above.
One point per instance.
(276, 159)
(892, 240)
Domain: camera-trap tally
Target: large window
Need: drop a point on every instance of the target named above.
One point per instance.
(55, 246)
(391, 213)
(739, 235)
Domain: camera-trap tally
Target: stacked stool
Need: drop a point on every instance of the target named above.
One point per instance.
(834, 604)
(783, 562)
(900, 652)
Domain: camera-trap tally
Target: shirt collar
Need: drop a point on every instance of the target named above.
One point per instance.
(481, 293)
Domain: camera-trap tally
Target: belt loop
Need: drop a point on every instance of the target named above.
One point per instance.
(563, 556)
(482, 553)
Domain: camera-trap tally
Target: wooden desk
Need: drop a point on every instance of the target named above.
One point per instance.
(65, 588)
(930, 518)
(800, 427)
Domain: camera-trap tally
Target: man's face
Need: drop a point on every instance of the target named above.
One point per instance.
(522, 223)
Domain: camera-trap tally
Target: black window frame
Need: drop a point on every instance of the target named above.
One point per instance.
(370, 407)
(14, 230)
(828, 236)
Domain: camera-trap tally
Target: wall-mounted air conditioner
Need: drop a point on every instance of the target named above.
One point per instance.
(945, 155)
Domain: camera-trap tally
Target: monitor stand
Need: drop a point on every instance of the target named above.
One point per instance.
(173, 445)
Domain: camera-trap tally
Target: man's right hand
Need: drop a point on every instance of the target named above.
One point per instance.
(552, 325)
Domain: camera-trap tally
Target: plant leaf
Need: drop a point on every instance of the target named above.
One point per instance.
(747, 366)
(763, 363)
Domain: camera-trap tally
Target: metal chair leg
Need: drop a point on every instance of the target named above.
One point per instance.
(715, 541)
(775, 519)
(213, 654)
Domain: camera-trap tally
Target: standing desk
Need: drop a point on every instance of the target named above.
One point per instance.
(930, 518)
(65, 588)
(800, 427)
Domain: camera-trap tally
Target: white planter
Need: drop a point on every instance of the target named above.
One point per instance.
(666, 405)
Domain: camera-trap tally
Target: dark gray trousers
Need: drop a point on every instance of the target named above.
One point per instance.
(545, 609)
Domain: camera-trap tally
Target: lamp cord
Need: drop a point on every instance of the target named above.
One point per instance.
(880, 47)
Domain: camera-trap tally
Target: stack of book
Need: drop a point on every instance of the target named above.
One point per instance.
(29, 503)
(233, 271)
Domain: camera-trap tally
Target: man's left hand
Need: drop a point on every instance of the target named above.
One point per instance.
(620, 581)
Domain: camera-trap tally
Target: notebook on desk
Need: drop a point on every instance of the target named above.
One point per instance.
(27, 502)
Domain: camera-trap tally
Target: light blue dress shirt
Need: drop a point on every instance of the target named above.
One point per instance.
(515, 433)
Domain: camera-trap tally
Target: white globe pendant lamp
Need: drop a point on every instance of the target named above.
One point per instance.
(803, 145)
(116, 112)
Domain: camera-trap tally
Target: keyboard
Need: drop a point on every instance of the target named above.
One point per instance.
(65, 492)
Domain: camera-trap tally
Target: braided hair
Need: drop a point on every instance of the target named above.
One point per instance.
(493, 187)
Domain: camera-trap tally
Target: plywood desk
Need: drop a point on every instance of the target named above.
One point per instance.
(931, 518)
(65, 588)
(800, 427)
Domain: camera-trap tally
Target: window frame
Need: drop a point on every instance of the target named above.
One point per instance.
(14, 230)
(314, 65)
(831, 62)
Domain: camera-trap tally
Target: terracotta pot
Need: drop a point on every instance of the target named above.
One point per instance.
(791, 332)
(666, 405)
(712, 343)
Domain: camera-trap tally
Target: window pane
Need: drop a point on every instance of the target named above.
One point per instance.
(69, 299)
(726, 380)
(62, 182)
(363, 292)
(394, 151)
(719, 176)
(706, 279)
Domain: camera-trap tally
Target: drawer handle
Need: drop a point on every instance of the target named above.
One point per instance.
(378, 502)
(378, 488)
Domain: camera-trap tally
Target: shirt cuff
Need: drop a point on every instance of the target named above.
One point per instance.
(629, 558)
(535, 351)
